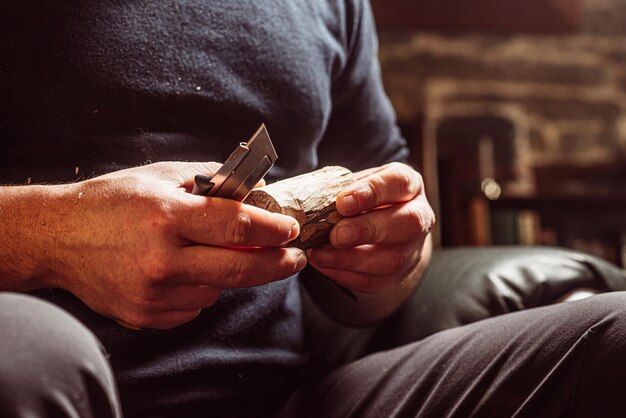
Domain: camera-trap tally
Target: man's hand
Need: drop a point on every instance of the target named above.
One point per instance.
(137, 246)
(378, 248)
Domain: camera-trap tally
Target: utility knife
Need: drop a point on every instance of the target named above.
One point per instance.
(245, 167)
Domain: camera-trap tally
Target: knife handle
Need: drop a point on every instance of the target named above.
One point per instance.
(202, 184)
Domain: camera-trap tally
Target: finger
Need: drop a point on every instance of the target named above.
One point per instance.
(227, 223)
(174, 319)
(358, 282)
(236, 268)
(372, 260)
(184, 298)
(393, 183)
(168, 306)
(162, 320)
(395, 224)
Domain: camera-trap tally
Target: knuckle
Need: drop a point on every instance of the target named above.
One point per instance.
(406, 181)
(237, 273)
(419, 216)
(415, 220)
(158, 268)
(239, 229)
(376, 192)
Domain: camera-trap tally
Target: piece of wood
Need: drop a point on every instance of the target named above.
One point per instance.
(309, 198)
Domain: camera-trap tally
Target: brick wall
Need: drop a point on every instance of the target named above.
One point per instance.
(566, 94)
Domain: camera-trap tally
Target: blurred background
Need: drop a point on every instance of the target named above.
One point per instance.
(515, 111)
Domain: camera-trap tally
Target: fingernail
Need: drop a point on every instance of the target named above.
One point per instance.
(345, 235)
(295, 231)
(301, 263)
(349, 203)
(323, 257)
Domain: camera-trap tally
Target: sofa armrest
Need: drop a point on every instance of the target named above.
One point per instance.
(465, 285)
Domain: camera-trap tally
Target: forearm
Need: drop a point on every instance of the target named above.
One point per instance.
(366, 308)
(25, 237)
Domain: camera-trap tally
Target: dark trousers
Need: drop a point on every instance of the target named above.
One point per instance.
(50, 364)
(564, 360)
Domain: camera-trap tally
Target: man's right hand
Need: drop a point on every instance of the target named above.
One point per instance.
(135, 245)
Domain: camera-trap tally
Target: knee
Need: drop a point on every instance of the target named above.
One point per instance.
(603, 320)
(609, 306)
(46, 355)
(602, 367)
(43, 335)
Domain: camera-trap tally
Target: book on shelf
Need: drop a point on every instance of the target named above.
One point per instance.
(515, 227)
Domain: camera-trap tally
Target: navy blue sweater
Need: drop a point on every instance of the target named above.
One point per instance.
(107, 84)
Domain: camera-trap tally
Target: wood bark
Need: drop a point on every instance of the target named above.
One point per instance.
(309, 198)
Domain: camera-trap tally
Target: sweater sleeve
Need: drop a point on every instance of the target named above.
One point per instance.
(361, 130)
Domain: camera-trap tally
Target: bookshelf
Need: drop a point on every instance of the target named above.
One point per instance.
(589, 217)
(594, 224)
(486, 192)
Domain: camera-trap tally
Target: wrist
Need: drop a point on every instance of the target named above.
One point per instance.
(29, 227)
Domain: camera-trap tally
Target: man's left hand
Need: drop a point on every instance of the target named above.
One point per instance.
(380, 241)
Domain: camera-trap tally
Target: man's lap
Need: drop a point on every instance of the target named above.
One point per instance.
(561, 360)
